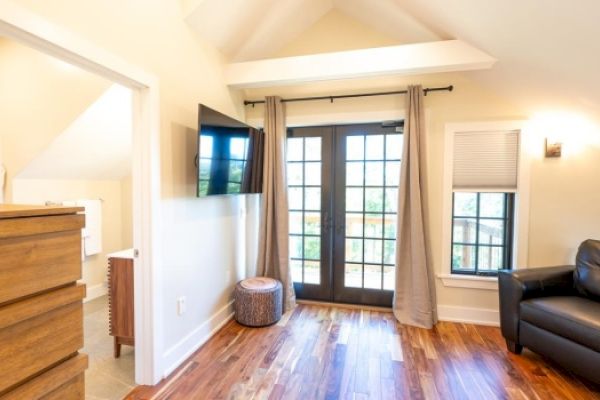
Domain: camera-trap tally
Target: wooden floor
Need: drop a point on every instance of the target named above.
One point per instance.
(338, 353)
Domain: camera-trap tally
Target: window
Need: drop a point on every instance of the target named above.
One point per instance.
(482, 226)
(485, 202)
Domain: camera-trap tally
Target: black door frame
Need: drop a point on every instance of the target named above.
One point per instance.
(343, 294)
(333, 209)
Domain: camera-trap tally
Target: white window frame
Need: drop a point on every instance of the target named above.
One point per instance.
(521, 217)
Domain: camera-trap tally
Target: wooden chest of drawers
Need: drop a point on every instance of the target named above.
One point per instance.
(41, 311)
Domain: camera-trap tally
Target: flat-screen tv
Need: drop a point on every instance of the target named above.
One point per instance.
(230, 155)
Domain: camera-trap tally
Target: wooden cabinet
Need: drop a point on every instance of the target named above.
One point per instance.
(120, 299)
(41, 310)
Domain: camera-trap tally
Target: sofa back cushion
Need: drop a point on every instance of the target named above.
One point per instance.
(587, 270)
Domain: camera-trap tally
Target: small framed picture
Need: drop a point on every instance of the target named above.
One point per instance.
(553, 149)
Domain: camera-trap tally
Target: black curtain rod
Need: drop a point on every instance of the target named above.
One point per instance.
(347, 96)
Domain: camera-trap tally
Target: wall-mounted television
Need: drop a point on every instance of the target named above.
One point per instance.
(230, 155)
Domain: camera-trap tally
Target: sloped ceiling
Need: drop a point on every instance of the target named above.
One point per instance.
(548, 51)
(96, 146)
(40, 96)
(246, 30)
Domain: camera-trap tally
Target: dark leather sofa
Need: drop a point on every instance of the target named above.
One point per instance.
(555, 311)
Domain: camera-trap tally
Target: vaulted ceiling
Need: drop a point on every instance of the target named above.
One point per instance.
(548, 53)
(253, 29)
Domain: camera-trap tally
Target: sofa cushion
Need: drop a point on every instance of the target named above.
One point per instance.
(572, 317)
(587, 269)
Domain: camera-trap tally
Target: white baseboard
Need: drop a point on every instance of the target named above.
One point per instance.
(477, 316)
(95, 291)
(182, 350)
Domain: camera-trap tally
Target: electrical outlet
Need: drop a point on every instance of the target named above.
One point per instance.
(181, 305)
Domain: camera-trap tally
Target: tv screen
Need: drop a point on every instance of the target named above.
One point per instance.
(229, 155)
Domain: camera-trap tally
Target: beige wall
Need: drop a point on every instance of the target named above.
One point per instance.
(198, 239)
(200, 244)
(467, 102)
(38, 191)
(330, 33)
(565, 201)
(565, 206)
(39, 98)
(127, 213)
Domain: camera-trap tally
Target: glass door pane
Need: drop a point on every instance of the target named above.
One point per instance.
(307, 178)
(343, 194)
(367, 172)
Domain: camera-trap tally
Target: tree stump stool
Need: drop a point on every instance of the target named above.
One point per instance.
(258, 301)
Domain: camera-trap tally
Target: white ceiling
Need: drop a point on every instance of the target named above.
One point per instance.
(548, 50)
(96, 146)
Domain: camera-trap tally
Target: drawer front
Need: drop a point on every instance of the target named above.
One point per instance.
(66, 381)
(74, 389)
(27, 226)
(38, 343)
(31, 264)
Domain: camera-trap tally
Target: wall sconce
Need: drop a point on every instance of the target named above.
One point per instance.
(553, 148)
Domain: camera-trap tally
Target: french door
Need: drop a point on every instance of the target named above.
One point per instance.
(343, 184)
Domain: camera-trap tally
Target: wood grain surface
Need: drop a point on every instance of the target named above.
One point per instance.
(64, 382)
(328, 352)
(39, 343)
(23, 210)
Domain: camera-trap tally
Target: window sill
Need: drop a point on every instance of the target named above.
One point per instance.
(469, 281)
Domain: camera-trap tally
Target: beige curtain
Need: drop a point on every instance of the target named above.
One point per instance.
(273, 252)
(253, 174)
(414, 295)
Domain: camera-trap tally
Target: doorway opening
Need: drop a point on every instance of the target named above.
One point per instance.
(19, 24)
(67, 141)
(343, 195)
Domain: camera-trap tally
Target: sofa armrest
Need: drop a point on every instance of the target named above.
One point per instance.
(515, 286)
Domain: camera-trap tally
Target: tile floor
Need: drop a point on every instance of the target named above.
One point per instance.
(107, 378)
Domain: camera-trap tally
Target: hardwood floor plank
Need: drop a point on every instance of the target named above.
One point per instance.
(329, 352)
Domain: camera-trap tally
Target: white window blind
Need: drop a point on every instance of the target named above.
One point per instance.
(486, 160)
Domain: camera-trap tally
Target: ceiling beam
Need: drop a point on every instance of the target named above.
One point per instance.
(412, 59)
